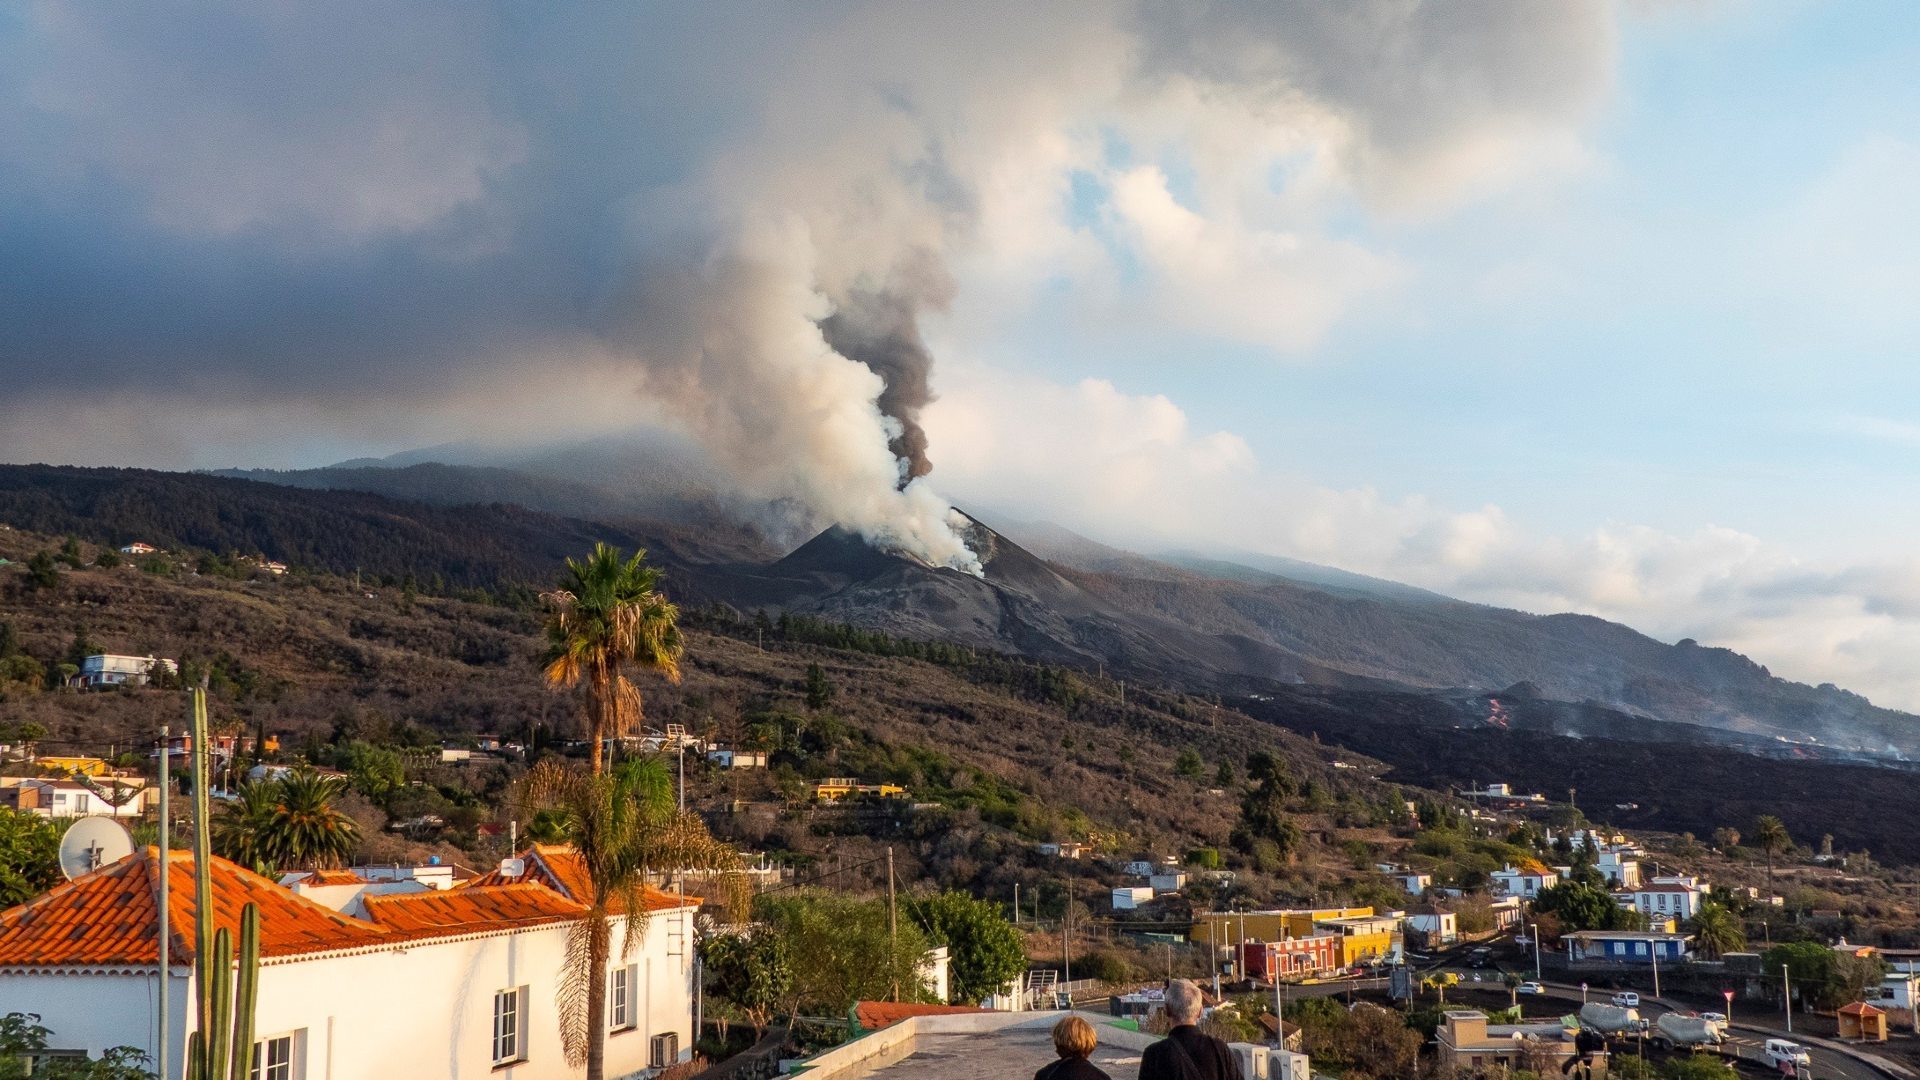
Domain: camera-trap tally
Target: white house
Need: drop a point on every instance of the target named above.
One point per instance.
(1664, 897)
(107, 669)
(1439, 928)
(422, 985)
(1619, 867)
(70, 798)
(1524, 880)
(138, 548)
(1128, 897)
(1412, 882)
(1167, 881)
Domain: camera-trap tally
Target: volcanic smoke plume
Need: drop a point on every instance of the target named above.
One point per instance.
(879, 329)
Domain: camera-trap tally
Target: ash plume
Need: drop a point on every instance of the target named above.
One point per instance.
(881, 330)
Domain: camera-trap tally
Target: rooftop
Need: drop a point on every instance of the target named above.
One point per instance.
(559, 867)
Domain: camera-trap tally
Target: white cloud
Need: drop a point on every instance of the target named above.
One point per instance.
(1131, 469)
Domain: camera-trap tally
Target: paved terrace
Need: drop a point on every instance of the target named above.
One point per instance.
(967, 1047)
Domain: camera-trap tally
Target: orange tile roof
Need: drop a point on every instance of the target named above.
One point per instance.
(109, 917)
(332, 877)
(560, 868)
(1859, 1008)
(471, 909)
(874, 1015)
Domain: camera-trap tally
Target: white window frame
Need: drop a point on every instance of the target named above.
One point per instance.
(293, 1067)
(623, 1013)
(509, 1026)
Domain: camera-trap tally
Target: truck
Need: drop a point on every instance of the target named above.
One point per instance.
(1674, 1030)
(1609, 1019)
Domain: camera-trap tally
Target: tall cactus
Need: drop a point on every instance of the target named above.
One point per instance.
(222, 1046)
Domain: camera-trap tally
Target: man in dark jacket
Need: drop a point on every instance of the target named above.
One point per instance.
(1187, 1053)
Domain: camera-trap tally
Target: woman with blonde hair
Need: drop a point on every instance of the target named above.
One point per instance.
(1073, 1040)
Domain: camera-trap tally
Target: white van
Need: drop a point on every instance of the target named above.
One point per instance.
(1780, 1052)
(1626, 999)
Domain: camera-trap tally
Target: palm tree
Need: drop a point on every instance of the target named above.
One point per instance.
(622, 824)
(242, 830)
(1771, 834)
(1717, 931)
(309, 831)
(610, 613)
(287, 824)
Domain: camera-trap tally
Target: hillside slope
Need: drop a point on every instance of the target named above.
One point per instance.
(1226, 630)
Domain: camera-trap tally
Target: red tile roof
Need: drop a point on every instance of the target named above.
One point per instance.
(560, 868)
(332, 877)
(471, 910)
(874, 1015)
(110, 917)
(1860, 1008)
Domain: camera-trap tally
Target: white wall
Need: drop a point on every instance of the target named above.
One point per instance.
(420, 1012)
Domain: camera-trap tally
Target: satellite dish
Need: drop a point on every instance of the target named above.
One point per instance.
(91, 843)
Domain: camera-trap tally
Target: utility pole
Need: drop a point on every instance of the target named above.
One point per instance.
(160, 1042)
(1066, 947)
(1786, 983)
(1655, 950)
(1016, 903)
(893, 926)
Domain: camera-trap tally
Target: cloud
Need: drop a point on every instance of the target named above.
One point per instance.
(1131, 469)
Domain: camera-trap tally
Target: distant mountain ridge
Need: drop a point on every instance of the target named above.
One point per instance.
(1206, 624)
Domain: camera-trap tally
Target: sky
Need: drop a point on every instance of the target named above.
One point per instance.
(1576, 306)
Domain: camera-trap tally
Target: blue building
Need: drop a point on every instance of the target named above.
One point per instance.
(1627, 948)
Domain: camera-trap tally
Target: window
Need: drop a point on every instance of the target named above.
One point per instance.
(509, 1026)
(621, 1015)
(276, 1057)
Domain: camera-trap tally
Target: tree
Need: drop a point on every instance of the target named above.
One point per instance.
(1726, 839)
(984, 951)
(1439, 982)
(29, 856)
(41, 571)
(1717, 931)
(819, 689)
(107, 558)
(842, 951)
(1187, 764)
(22, 1036)
(376, 771)
(1223, 776)
(610, 614)
(1770, 833)
(9, 641)
(752, 970)
(1580, 906)
(21, 671)
(287, 824)
(1823, 977)
(621, 823)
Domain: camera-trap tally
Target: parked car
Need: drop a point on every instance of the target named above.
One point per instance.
(1531, 987)
(1716, 1017)
(1626, 999)
(1780, 1052)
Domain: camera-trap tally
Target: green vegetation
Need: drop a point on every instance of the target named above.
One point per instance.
(1580, 906)
(1821, 976)
(753, 972)
(1770, 833)
(22, 1036)
(286, 824)
(840, 951)
(29, 856)
(1717, 931)
(984, 951)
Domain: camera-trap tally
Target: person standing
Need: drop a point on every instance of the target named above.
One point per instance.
(1187, 1053)
(1073, 1040)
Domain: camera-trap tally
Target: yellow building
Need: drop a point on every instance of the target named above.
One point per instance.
(1362, 937)
(73, 766)
(835, 788)
(1234, 927)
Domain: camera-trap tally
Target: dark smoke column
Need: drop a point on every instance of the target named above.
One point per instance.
(880, 329)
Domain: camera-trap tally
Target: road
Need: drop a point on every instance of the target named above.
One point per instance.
(1744, 1041)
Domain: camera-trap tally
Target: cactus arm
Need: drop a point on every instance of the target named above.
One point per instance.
(219, 1035)
(246, 992)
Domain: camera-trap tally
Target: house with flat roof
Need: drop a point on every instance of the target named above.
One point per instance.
(104, 670)
(1524, 879)
(1466, 1040)
(1626, 948)
(1664, 898)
